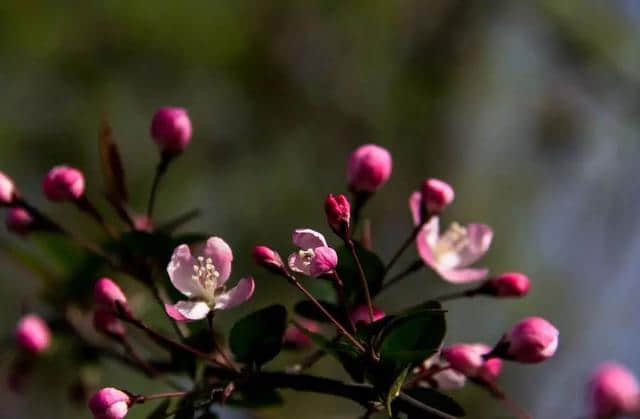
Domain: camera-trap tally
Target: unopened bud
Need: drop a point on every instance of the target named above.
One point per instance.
(171, 129)
(270, 259)
(7, 190)
(338, 212)
(436, 196)
(509, 284)
(109, 403)
(19, 221)
(33, 334)
(63, 183)
(368, 168)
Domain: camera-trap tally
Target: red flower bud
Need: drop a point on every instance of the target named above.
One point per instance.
(436, 195)
(338, 212)
(530, 341)
(270, 259)
(63, 183)
(7, 190)
(32, 334)
(369, 168)
(19, 221)
(109, 403)
(508, 284)
(171, 129)
(107, 294)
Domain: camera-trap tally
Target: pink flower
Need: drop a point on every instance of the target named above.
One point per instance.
(109, 403)
(433, 197)
(106, 322)
(108, 294)
(203, 280)
(32, 334)
(613, 391)
(19, 221)
(338, 211)
(508, 284)
(63, 183)
(360, 314)
(315, 257)
(451, 253)
(531, 340)
(447, 379)
(269, 258)
(171, 129)
(7, 190)
(369, 168)
(464, 358)
(296, 337)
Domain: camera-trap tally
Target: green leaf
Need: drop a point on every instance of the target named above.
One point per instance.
(347, 269)
(411, 338)
(395, 388)
(257, 338)
(437, 400)
(160, 412)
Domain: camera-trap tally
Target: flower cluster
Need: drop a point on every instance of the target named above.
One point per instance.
(390, 355)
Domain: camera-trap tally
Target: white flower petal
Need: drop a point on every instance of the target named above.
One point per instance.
(193, 310)
(221, 257)
(305, 238)
(237, 295)
(180, 270)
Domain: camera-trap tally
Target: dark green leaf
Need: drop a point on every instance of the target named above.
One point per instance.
(437, 400)
(160, 412)
(257, 338)
(348, 271)
(395, 388)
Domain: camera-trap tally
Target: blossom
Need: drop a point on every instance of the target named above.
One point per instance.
(109, 403)
(7, 190)
(338, 211)
(296, 337)
(19, 221)
(368, 168)
(464, 358)
(202, 280)
(32, 334)
(315, 257)
(445, 378)
(171, 129)
(63, 183)
(531, 340)
(508, 284)
(451, 253)
(613, 391)
(360, 314)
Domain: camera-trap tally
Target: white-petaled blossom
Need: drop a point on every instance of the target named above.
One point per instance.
(315, 257)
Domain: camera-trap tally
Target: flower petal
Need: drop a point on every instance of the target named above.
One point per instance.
(221, 257)
(305, 238)
(173, 312)
(193, 310)
(297, 264)
(415, 205)
(237, 295)
(479, 236)
(462, 276)
(324, 261)
(180, 270)
(427, 239)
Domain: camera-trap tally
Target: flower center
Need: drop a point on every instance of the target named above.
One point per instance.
(205, 273)
(306, 256)
(450, 244)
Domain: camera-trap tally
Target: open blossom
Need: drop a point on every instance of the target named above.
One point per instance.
(315, 257)
(439, 375)
(7, 190)
(19, 221)
(296, 337)
(202, 280)
(32, 334)
(360, 313)
(613, 392)
(109, 403)
(63, 183)
(451, 253)
(368, 168)
(531, 340)
(171, 129)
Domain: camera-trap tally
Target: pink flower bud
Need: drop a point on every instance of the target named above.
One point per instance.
(63, 183)
(295, 337)
(436, 195)
(109, 403)
(464, 358)
(369, 168)
(360, 314)
(613, 391)
(270, 259)
(338, 212)
(106, 322)
(7, 190)
(509, 284)
(19, 221)
(324, 261)
(490, 370)
(171, 129)
(143, 223)
(32, 334)
(532, 340)
(107, 294)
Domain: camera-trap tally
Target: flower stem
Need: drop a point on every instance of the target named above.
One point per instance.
(407, 242)
(142, 399)
(86, 206)
(501, 395)
(413, 267)
(161, 169)
(342, 300)
(328, 315)
(216, 346)
(456, 295)
(363, 279)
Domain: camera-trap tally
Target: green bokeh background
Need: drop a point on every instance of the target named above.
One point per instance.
(530, 109)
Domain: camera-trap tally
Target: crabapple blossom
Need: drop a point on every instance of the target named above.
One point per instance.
(33, 334)
(368, 168)
(531, 340)
(450, 254)
(613, 391)
(19, 221)
(63, 183)
(109, 403)
(315, 257)
(338, 211)
(7, 190)
(171, 129)
(360, 314)
(202, 279)
(269, 258)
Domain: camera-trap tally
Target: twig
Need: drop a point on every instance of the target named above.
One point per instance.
(363, 279)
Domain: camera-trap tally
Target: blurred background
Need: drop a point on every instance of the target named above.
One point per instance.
(529, 109)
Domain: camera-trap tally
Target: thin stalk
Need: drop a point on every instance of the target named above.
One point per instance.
(216, 346)
(144, 365)
(456, 295)
(363, 279)
(414, 267)
(86, 206)
(161, 169)
(342, 300)
(328, 315)
(404, 246)
(142, 399)
(157, 292)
